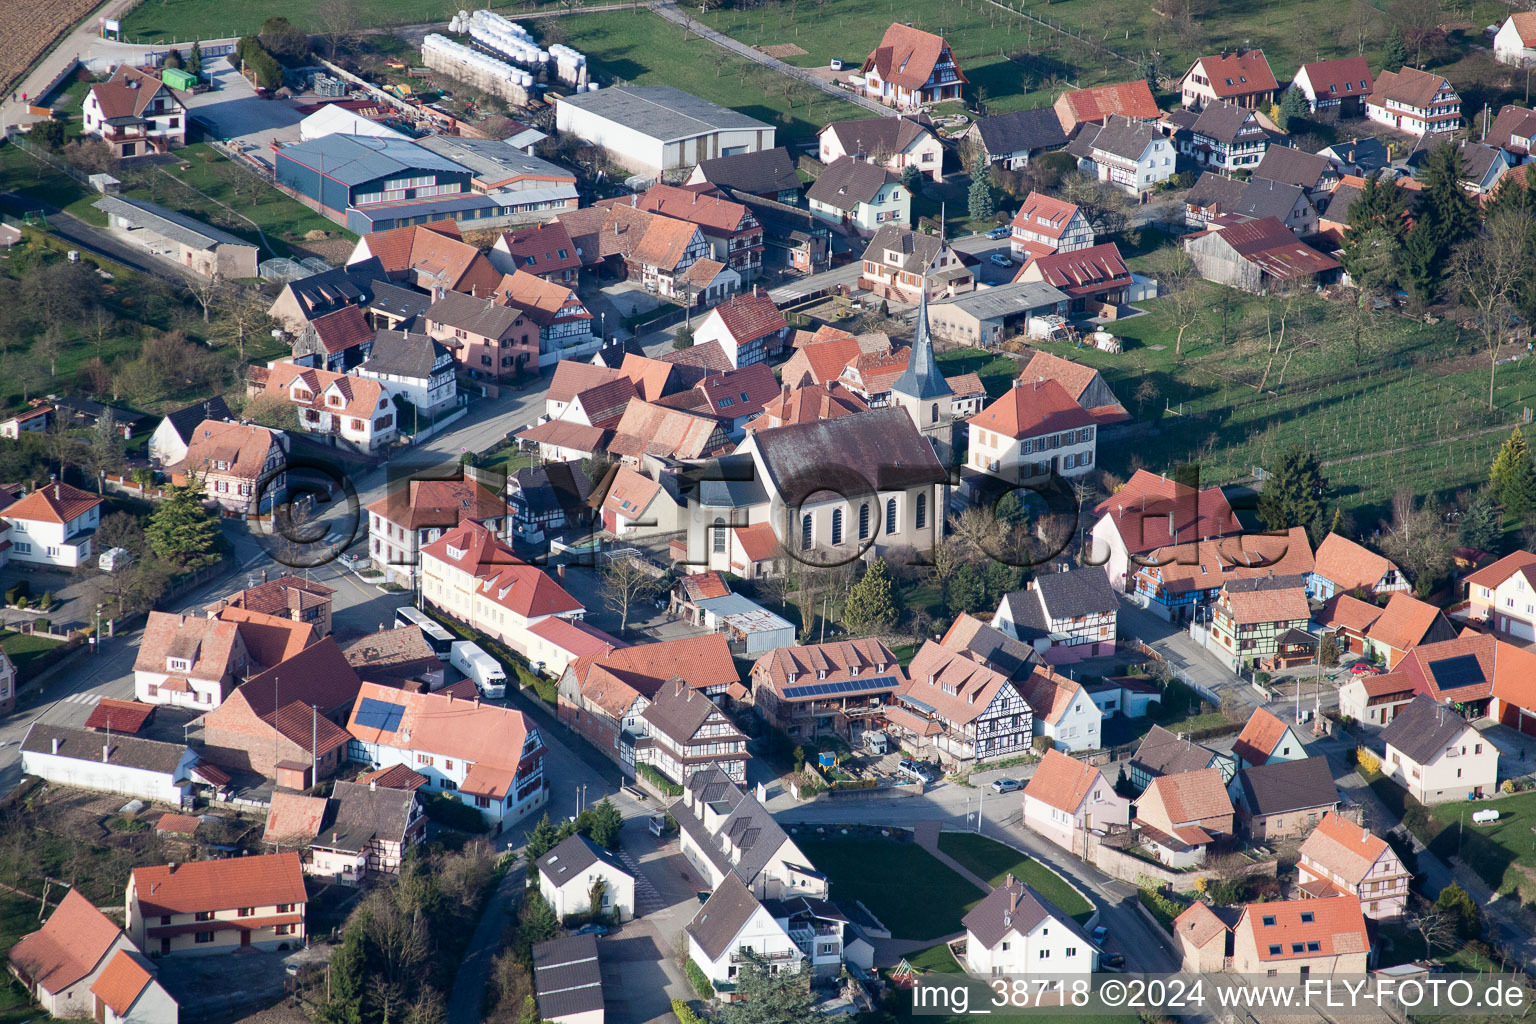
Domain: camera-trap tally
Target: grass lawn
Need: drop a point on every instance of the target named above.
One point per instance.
(914, 895)
(994, 861)
(1402, 412)
(643, 49)
(939, 960)
(1503, 854)
(25, 648)
(995, 370)
(1118, 731)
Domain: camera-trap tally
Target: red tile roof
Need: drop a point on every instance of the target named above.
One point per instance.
(270, 639)
(630, 494)
(1329, 77)
(544, 302)
(906, 56)
(212, 647)
(181, 824)
(1141, 510)
(758, 541)
(1190, 797)
(1404, 622)
(243, 448)
(1348, 565)
(121, 982)
(536, 248)
(293, 819)
(260, 881)
(343, 329)
(749, 316)
(1029, 409)
(712, 212)
(1062, 781)
(53, 503)
(1337, 926)
(504, 578)
(1128, 99)
(1344, 848)
(1259, 737)
(439, 503)
(118, 98)
(68, 947)
(1493, 575)
(1045, 215)
(396, 776)
(123, 716)
(572, 377)
(1098, 268)
(1237, 74)
(1345, 612)
(704, 661)
(1199, 925)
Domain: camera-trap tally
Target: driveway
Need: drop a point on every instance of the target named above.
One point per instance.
(1185, 658)
(233, 112)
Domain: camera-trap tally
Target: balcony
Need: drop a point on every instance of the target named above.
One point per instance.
(747, 955)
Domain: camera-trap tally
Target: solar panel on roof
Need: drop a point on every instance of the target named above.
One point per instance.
(845, 686)
(1462, 670)
(378, 714)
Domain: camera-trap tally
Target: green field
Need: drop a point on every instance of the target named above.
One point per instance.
(1503, 854)
(640, 48)
(912, 894)
(184, 20)
(995, 861)
(1408, 410)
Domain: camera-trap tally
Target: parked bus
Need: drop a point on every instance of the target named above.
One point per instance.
(439, 638)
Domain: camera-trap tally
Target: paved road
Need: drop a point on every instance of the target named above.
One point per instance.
(81, 42)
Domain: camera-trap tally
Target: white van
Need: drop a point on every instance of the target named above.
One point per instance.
(486, 671)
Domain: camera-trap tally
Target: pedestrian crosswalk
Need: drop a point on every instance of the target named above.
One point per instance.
(88, 699)
(648, 899)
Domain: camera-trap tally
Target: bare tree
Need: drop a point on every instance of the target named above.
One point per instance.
(1417, 20)
(49, 346)
(243, 312)
(339, 20)
(1434, 926)
(1184, 290)
(206, 289)
(1488, 271)
(625, 580)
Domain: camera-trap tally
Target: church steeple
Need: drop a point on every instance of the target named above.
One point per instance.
(922, 379)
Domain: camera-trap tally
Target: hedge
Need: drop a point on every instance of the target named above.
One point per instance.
(454, 814)
(854, 784)
(700, 983)
(683, 1012)
(660, 781)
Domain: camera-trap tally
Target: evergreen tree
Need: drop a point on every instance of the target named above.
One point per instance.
(1293, 493)
(173, 59)
(1512, 478)
(1445, 215)
(536, 919)
(1293, 110)
(1416, 264)
(181, 532)
(683, 337)
(595, 895)
(1481, 524)
(349, 977)
(1328, 651)
(1394, 55)
(1463, 911)
(195, 59)
(783, 998)
(541, 839)
(871, 604)
(1373, 235)
(982, 199)
(911, 178)
(606, 823)
(967, 592)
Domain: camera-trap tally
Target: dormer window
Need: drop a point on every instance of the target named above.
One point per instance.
(177, 665)
(821, 673)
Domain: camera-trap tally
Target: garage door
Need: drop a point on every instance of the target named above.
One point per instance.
(1520, 630)
(1516, 718)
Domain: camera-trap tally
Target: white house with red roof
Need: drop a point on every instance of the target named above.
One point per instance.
(1503, 596)
(127, 992)
(54, 525)
(491, 757)
(1045, 225)
(1515, 41)
(1341, 84)
(1066, 797)
(1033, 430)
(543, 250)
(471, 575)
(1064, 713)
(1301, 937)
(1150, 512)
(1343, 566)
(749, 328)
(135, 113)
(60, 962)
(638, 506)
(354, 409)
(911, 68)
(1243, 78)
(217, 906)
(189, 660)
(1341, 858)
(404, 521)
(1265, 739)
(1414, 101)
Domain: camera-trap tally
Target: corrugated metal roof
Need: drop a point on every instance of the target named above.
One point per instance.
(355, 159)
(173, 225)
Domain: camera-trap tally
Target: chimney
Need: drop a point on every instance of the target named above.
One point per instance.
(106, 752)
(334, 837)
(170, 868)
(55, 744)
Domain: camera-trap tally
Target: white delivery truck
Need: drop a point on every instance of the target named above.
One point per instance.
(485, 670)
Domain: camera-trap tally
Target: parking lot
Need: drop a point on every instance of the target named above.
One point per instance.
(233, 112)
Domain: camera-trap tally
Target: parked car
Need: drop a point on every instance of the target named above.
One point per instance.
(1099, 935)
(999, 259)
(1006, 785)
(1001, 231)
(1112, 961)
(592, 929)
(1364, 668)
